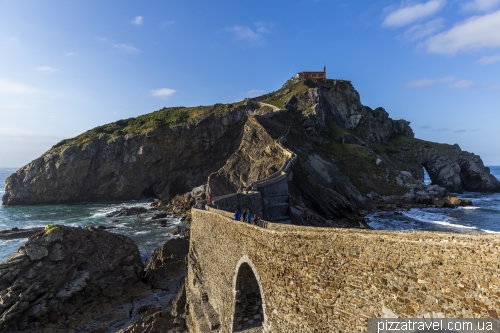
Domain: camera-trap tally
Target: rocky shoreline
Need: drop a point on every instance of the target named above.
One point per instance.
(68, 279)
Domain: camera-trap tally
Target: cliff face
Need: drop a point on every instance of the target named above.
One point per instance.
(161, 162)
(257, 157)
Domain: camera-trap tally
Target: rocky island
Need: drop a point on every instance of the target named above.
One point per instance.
(307, 155)
(351, 158)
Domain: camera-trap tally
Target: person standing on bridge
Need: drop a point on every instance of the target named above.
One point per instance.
(237, 215)
(249, 217)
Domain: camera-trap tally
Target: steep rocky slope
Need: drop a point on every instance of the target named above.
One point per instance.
(257, 157)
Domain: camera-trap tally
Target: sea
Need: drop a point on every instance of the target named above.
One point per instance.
(145, 232)
(482, 217)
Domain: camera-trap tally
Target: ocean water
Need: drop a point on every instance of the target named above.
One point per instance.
(483, 216)
(144, 231)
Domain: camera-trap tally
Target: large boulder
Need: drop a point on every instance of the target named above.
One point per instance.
(59, 271)
(167, 264)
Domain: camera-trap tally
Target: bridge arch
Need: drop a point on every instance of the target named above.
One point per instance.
(249, 305)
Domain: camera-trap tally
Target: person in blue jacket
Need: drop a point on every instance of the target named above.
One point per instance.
(237, 215)
(249, 217)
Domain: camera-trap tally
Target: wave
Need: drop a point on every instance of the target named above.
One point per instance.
(491, 231)
(459, 226)
(435, 218)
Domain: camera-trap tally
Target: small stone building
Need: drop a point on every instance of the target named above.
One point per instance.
(312, 75)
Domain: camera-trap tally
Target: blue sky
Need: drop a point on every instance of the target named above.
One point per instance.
(68, 66)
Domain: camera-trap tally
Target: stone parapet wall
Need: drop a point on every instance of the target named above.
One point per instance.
(329, 280)
(241, 201)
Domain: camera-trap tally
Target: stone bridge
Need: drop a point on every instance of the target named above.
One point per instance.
(287, 278)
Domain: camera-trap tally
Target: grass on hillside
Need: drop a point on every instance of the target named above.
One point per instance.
(145, 123)
(279, 97)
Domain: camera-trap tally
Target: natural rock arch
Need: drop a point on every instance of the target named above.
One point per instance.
(249, 305)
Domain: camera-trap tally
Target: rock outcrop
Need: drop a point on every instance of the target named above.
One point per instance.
(457, 170)
(59, 270)
(67, 279)
(167, 263)
(103, 164)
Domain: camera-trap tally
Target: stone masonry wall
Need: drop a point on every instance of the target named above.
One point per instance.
(331, 280)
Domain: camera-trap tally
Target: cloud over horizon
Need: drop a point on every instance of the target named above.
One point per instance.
(162, 92)
(480, 5)
(47, 69)
(487, 60)
(138, 21)
(450, 81)
(476, 32)
(250, 35)
(409, 14)
(11, 88)
(419, 31)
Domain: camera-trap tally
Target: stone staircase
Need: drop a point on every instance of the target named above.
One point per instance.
(274, 189)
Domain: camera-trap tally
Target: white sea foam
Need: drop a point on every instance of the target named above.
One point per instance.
(469, 207)
(142, 232)
(459, 226)
(491, 231)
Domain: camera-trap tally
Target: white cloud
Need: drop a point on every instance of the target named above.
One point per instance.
(429, 82)
(15, 106)
(480, 5)
(70, 54)
(162, 92)
(122, 47)
(409, 14)
(262, 27)
(463, 84)
(477, 32)
(11, 88)
(47, 69)
(166, 24)
(127, 48)
(486, 60)
(449, 81)
(254, 93)
(419, 31)
(138, 21)
(242, 32)
(250, 35)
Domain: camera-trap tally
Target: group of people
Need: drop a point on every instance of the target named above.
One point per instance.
(246, 216)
